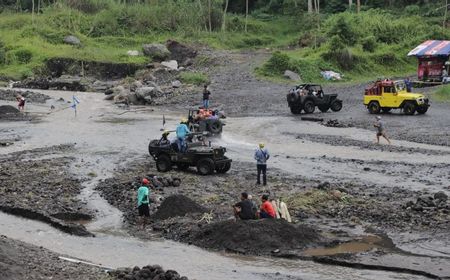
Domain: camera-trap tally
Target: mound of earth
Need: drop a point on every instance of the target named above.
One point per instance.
(149, 272)
(177, 205)
(10, 95)
(8, 109)
(255, 236)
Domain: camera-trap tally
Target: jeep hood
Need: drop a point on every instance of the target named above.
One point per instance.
(409, 95)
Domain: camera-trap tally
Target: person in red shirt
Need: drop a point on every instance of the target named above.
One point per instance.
(266, 211)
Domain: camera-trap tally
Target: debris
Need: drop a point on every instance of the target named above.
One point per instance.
(148, 272)
(312, 119)
(331, 75)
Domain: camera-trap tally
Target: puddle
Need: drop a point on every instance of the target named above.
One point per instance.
(367, 243)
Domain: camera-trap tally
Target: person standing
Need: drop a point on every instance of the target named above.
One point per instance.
(380, 130)
(143, 202)
(408, 84)
(261, 157)
(21, 101)
(266, 211)
(182, 132)
(206, 94)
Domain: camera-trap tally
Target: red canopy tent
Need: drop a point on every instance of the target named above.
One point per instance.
(433, 57)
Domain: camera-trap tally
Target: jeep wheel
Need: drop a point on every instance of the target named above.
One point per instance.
(296, 110)
(163, 163)
(422, 110)
(336, 106)
(386, 110)
(223, 168)
(409, 108)
(205, 166)
(374, 107)
(215, 127)
(323, 108)
(309, 107)
(182, 166)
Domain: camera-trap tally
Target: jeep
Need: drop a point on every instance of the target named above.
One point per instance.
(307, 96)
(386, 95)
(206, 159)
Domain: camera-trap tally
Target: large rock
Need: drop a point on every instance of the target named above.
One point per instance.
(144, 92)
(176, 84)
(180, 52)
(441, 196)
(171, 64)
(72, 40)
(156, 51)
(291, 75)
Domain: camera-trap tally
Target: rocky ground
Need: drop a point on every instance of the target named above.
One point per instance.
(20, 260)
(37, 184)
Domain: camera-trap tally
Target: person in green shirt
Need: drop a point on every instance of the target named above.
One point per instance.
(143, 202)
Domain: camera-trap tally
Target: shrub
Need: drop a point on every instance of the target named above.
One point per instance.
(2, 53)
(412, 10)
(369, 44)
(343, 29)
(88, 6)
(277, 64)
(20, 56)
(194, 78)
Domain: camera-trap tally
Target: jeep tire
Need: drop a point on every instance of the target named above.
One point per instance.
(336, 106)
(374, 107)
(163, 163)
(223, 168)
(215, 127)
(309, 107)
(422, 110)
(409, 108)
(296, 110)
(205, 166)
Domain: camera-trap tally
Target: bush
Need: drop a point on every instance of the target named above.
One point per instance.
(369, 44)
(412, 10)
(278, 63)
(20, 56)
(194, 78)
(343, 29)
(88, 6)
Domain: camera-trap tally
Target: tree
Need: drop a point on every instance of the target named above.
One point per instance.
(246, 14)
(350, 4)
(209, 15)
(225, 9)
(310, 7)
(358, 6)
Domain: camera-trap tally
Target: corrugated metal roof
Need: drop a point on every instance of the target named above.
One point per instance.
(431, 48)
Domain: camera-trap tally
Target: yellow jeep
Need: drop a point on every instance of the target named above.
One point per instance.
(387, 95)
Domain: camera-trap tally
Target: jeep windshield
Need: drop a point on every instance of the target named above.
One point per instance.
(400, 86)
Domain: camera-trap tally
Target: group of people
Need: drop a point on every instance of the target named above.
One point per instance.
(246, 209)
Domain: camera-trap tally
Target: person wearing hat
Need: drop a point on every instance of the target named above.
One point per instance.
(206, 94)
(182, 132)
(380, 130)
(164, 141)
(261, 157)
(143, 202)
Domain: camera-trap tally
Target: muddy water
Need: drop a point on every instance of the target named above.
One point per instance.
(118, 251)
(107, 137)
(366, 243)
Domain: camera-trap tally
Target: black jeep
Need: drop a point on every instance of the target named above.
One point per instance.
(205, 158)
(213, 124)
(307, 96)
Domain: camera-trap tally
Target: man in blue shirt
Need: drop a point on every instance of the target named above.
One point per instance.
(182, 132)
(261, 157)
(143, 202)
(408, 84)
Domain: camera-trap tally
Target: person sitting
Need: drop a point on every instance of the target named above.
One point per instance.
(244, 209)
(164, 140)
(266, 211)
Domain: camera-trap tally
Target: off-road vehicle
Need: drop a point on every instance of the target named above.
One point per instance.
(197, 122)
(205, 158)
(385, 95)
(307, 96)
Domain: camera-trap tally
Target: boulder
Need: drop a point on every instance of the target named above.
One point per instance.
(156, 51)
(441, 196)
(144, 92)
(133, 53)
(291, 75)
(176, 84)
(179, 51)
(72, 40)
(171, 64)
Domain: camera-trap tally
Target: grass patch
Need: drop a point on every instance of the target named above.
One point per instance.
(195, 78)
(442, 94)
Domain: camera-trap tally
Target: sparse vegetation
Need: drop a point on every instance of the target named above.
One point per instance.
(194, 78)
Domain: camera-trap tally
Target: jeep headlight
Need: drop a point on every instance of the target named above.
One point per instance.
(420, 100)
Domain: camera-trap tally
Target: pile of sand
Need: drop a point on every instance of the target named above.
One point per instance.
(177, 205)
